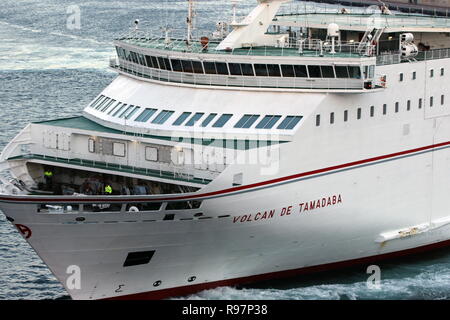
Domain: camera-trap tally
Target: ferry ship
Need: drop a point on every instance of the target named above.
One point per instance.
(279, 144)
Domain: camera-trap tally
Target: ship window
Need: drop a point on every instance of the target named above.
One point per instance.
(401, 77)
(359, 114)
(345, 115)
(431, 101)
(193, 120)
(222, 68)
(183, 205)
(197, 66)
(235, 69)
(162, 117)
(145, 115)
(132, 113)
(372, 111)
(341, 72)
(155, 62)
(142, 59)
(210, 67)
(162, 63)
(414, 75)
(261, 70)
(246, 121)
(355, 72)
(118, 149)
(118, 105)
(119, 110)
(408, 105)
(332, 118)
(442, 100)
(176, 65)
(126, 111)
(96, 101)
(397, 107)
(133, 57)
(384, 109)
(301, 71)
(288, 70)
(274, 70)
(187, 66)
(91, 145)
(420, 103)
(314, 72)
(138, 258)
(327, 71)
(289, 122)
(151, 154)
(149, 61)
(102, 103)
(317, 120)
(107, 105)
(222, 120)
(208, 119)
(442, 71)
(431, 73)
(182, 118)
(268, 122)
(247, 69)
(167, 62)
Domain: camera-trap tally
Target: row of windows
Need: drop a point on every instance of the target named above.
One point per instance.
(244, 69)
(384, 110)
(188, 119)
(414, 74)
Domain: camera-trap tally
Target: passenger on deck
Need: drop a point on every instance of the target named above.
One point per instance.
(48, 175)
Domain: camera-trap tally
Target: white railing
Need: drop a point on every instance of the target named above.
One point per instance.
(237, 81)
(387, 59)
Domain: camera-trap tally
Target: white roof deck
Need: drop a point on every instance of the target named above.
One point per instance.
(361, 22)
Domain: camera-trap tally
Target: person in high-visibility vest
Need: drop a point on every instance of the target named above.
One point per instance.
(48, 175)
(108, 189)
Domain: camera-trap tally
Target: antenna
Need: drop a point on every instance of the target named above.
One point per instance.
(190, 21)
(234, 5)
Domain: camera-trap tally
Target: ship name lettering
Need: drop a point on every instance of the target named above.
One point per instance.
(320, 203)
(250, 217)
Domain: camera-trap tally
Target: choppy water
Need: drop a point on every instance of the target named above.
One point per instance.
(48, 71)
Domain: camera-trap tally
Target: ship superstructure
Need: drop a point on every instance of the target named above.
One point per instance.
(296, 141)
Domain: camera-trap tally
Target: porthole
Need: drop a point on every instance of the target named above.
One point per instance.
(191, 279)
(157, 283)
(80, 219)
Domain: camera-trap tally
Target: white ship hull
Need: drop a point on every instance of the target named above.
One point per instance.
(358, 204)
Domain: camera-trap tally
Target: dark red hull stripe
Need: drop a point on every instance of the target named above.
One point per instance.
(186, 290)
(112, 199)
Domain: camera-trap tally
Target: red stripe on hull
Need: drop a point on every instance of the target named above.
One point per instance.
(186, 290)
(111, 199)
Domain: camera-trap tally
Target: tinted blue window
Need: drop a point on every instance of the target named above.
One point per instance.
(126, 111)
(93, 104)
(181, 118)
(222, 120)
(208, 119)
(118, 105)
(162, 117)
(289, 122)
(246, 121)
(145, 115)
(105, 101)
(119, 110)
(193, 120)
(268, 122)
(107, 105)
(132, 113)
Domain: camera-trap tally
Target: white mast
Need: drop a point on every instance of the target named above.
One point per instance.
(190, 21)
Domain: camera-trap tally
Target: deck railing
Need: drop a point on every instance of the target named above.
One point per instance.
(236, 81)
(387, 59)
